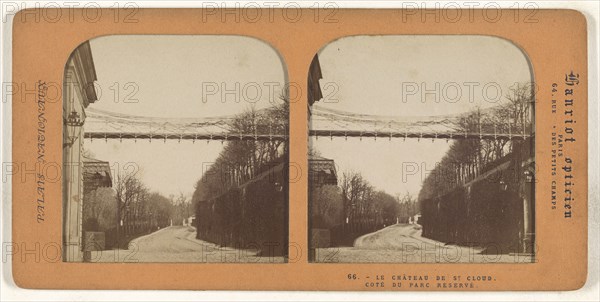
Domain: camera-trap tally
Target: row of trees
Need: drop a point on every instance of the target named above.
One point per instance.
(128, 209)
(240, 161)
(366, 207)
(99, 210)
(139, 210)
(355, 208)
(468, 158)
(478, 192)
(241, 200)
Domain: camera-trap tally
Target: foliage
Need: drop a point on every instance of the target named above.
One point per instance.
(240, 161)
(139, 209)
(363, 204)
(99, 213)
(468, 158)
(241, 199)
(248, 217)
(484, 214)
(326, 206)
(475, 193)
(355, 208)
(181, 209)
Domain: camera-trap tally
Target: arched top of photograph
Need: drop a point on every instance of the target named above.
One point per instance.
(173, 132)
(387, 75)
(179, 76)
(445, 129)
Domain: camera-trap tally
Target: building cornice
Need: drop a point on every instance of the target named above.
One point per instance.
(86, 71)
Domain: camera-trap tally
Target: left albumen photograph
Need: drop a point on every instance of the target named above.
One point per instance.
(175, 149)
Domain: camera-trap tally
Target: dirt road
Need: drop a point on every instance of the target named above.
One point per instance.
(403, 243)
(179, 244)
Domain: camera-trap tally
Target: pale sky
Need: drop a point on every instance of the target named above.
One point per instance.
(172, 75)
(176, 76)
(372, 75)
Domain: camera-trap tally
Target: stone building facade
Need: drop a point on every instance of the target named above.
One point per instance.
(78, 94)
